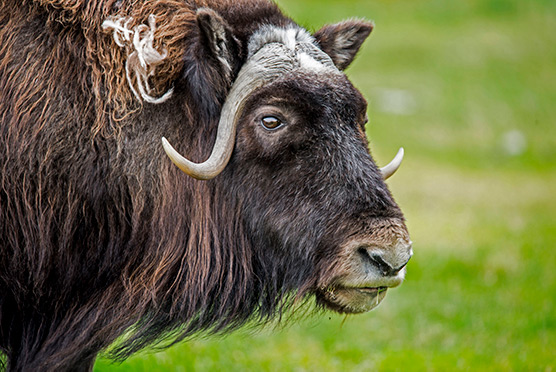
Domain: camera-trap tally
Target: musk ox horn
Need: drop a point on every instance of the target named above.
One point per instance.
(267, 64)
(225, 136)
(388, 170)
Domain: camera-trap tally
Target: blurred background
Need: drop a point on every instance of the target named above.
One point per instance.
(469, 89)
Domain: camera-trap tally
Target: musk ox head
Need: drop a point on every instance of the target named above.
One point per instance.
(291, 144)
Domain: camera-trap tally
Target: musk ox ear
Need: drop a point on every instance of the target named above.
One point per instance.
(342, 41)
(211, 62)
(218, 40)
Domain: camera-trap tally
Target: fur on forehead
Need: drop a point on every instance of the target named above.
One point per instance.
(290, 36)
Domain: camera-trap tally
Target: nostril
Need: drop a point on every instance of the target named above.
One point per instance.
(376, 260)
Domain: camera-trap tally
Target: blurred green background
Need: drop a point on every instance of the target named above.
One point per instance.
(469, 89)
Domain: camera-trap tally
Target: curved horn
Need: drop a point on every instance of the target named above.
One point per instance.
(388, 170)
(223, 146)
(265, 65)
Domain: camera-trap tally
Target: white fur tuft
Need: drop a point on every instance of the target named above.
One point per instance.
(289, 36)
(142, 57)
(307, 53)
(308, 62)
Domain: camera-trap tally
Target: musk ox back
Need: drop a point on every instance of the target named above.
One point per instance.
(101, 234)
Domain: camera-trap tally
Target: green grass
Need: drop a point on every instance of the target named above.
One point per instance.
(478, 187)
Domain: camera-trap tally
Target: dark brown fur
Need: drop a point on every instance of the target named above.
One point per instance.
(99, 233)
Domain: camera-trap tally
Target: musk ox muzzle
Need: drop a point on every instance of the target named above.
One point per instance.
(368, 265)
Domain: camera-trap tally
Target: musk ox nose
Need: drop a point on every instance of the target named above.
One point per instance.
(388, 260)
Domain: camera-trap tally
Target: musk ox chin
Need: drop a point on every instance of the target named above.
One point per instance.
(173, 167)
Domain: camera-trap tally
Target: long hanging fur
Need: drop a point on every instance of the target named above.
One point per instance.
(63, 80)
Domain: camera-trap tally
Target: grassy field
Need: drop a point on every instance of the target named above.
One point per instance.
(469, 89)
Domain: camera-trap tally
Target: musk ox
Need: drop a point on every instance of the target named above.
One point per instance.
(102, 237)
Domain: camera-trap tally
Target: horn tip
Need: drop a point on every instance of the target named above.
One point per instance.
(169, 149)
(393, 166)
(399, 156)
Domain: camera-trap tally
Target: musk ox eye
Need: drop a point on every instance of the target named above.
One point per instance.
(271, 122)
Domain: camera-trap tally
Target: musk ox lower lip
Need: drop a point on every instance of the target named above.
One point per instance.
(352, 300)
(372, 290)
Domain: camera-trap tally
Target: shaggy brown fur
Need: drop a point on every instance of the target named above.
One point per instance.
(62, 83)
(100, 234)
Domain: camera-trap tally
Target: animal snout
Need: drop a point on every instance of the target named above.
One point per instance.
(389, 261)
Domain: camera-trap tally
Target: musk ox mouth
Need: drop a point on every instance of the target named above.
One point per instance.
(351, 300)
